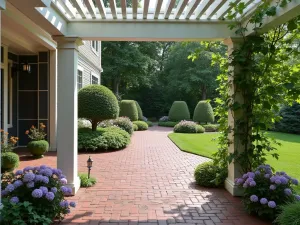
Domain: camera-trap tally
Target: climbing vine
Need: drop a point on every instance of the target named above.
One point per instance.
(265, 75)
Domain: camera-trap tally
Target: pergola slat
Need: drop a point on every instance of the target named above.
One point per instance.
(146, 8)
(157, 8)
(101, 8)
(192, 6)
(169, 8)
(181, 6)
(204, 5)
(67, 6)
(134, 8)
(124, 6)
(80, 8)
(215, 8)
(90, 6)
(112, 4)
(226, 9)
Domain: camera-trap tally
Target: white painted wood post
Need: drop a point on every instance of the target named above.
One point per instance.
(53, 100)
(67, 58)
(234, 169)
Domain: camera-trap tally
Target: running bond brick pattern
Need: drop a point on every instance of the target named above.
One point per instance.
(149, 183)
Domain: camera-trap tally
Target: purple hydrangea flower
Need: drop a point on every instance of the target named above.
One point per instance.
(64, 204)
(19, 172)
(68, 211)
(272, 187)
(245, 176)
(50, 196)
(42, 167)
(257, 172)
(14, 200)
(239, 181)
(278, 181)
(253, 198)
(4, 192)
(252, 184)
(263, 201)
(36, 168)
(73, 204)
(37, 193)
(272, 179)
(251, 174)
(297, 197)
(249, 180)
(26, 169)
(10, 188)
(38, 178)
(288, 192)
(59, 171)
(63, 181)
(62, 176)
(54, 190)
(30, 184)
(69, 191)
(48, 172)
(45, 180)
(295, 181)
(28, 177)
(284, 180)
(44, 190)
(64, 189)
(18, 183)
(272, 204)
(267, 176)
(245, 185)
(282, 173)
(287, 177)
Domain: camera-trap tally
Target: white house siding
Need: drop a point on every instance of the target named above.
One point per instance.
(90, 62)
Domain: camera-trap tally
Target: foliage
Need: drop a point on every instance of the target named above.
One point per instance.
(290, 122)
(150, 124)
(145, 119)
(179, 111)
(289, 214)
(135, 127)
(38, 190)
(37, 133)
(164, 119)
(265, 191)
(141, 125)
(128, 109)
(203, 113)
(103, 138)
(211, 127)
(85, 181)
(140, 112)
(82, 123)
(205, 175)
(167, 124)
(9, 161)
(188, 127)
(123, 122)
(38, 148)
(97, 103)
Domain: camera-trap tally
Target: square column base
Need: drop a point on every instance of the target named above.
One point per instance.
(75, 186)
(233, 189)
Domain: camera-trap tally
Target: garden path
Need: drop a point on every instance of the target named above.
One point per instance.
(149, 183)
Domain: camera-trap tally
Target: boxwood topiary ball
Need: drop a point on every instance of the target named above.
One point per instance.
(204, 113)
(141, 125)
(38, 148)
(9, 161)
(205, 173)
(179, 111)
(128, 109)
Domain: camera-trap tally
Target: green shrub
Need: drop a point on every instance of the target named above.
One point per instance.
(290, 214)
(150, 124)
(204, 113)
(205, 175)
(200, 129)
(97, 103)
(141, 125)
(38, 148)
(85, 181)
(102, 138)
(290, 122)
(123, 122)
(135, 127)
(179, 111)
(211, 127)
(167, 124)
(9, 161)
(140, 112)
(128, 109)
(188, 127)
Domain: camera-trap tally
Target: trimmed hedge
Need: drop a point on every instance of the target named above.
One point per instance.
(128, 109)
(167, 124)
(211, 127)
(141, 125)
(203, 113)
(135, 127)
(104, 138)
(179, 111)
(97, 103)
(205, 174)
(140, 112)
(9, 161)
(188, 127)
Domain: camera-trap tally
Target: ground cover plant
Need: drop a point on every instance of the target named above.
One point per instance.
(85, 181)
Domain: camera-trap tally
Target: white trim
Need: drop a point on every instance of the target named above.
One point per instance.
(4, 66)
(9, 77)
(97, 52)
(80, 68)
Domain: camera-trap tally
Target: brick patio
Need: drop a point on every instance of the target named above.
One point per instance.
(150, 182)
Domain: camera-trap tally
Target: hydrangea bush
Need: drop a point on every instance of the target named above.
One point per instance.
(43, 187)
(265, 191)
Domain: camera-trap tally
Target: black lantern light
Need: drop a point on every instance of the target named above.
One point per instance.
(26, 67)
(89, 163)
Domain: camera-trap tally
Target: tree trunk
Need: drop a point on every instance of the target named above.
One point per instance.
(94, 125)
(204, 94)
(116, 86)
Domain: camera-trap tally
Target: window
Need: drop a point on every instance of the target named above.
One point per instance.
(94, 80)
(95, 46)
(10, 96)
(79, 77)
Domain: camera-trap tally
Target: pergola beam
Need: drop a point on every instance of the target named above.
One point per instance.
(101, 8)
(134, 8)
(181, 6)
(146, 8)
(90, 6)
(192, 6)
(112, 4)
(157, 8)
(80, 8)
(204, 5)
(169, 8)
(123, 7)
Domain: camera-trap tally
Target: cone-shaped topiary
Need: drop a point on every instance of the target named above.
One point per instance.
(139, 109)
(128, 108)
(179, 111)
(97, 103)
(204, 113)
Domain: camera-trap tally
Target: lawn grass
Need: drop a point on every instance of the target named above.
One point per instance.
(289, 151)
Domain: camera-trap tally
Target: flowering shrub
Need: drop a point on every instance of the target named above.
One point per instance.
(164, 119)
(7, 144)
(265, 191)
(122, 122)
(41, 187)
(145, 119)
(36, 133)
(188, 127)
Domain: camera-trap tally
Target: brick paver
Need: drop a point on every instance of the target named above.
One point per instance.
(149, 183)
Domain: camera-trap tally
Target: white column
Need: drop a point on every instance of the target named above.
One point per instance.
(67, 58)
(53, 100)
(234, 169)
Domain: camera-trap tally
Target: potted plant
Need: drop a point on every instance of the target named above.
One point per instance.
(38, 145)
(9, 159)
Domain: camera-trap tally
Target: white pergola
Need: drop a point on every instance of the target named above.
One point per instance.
(71, 21)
